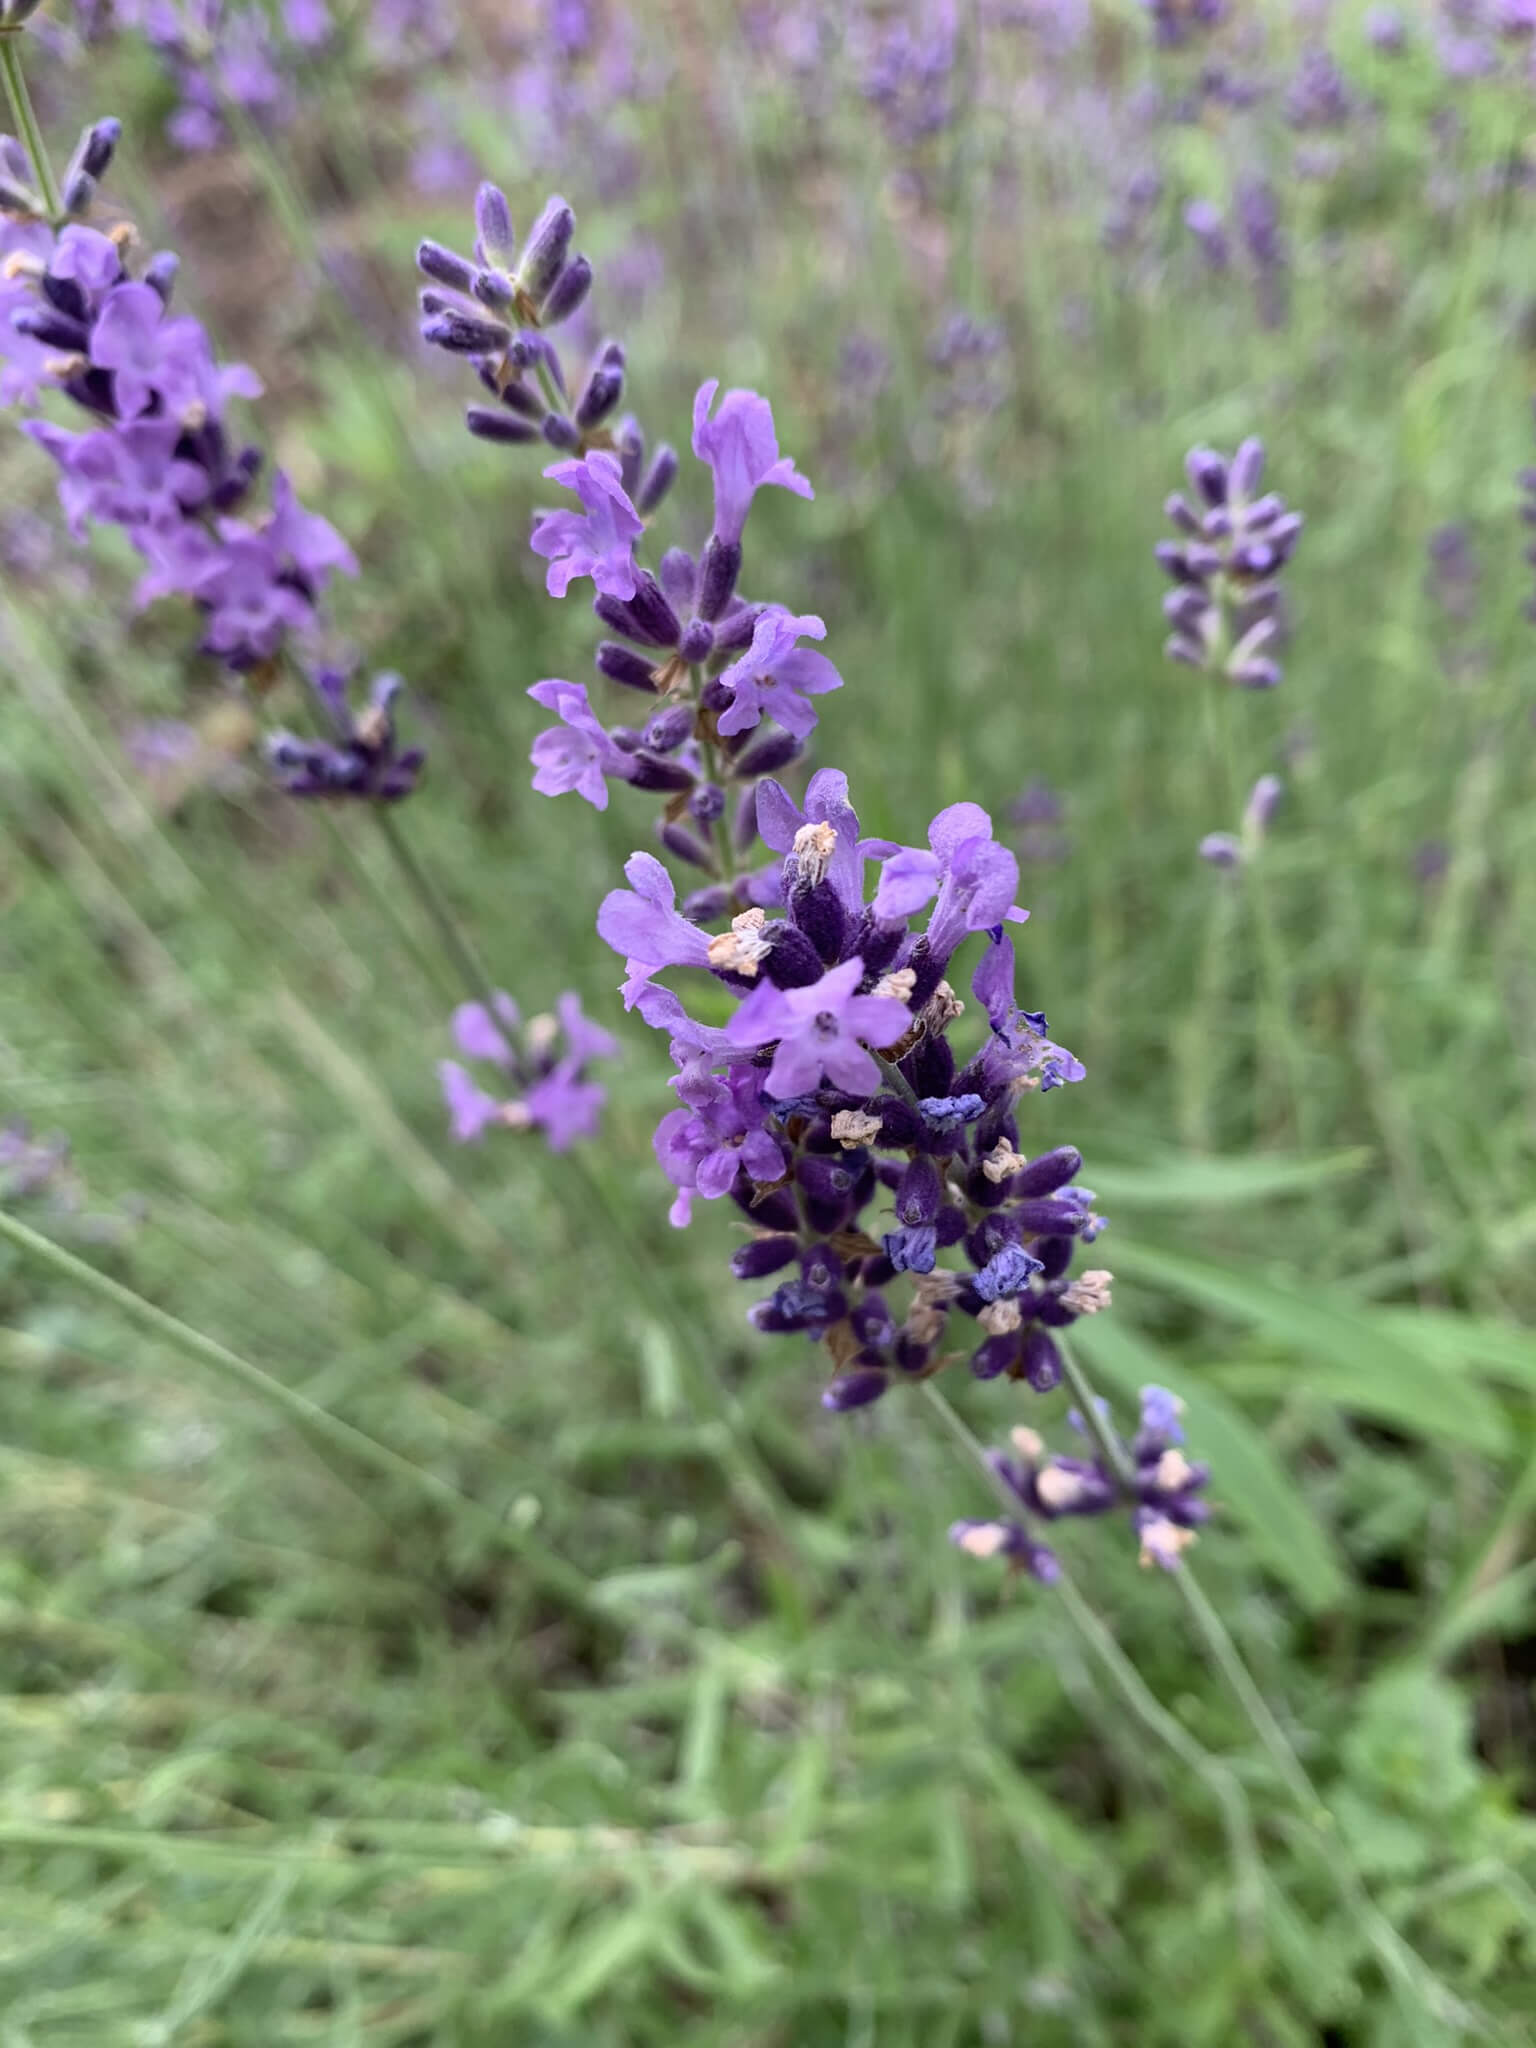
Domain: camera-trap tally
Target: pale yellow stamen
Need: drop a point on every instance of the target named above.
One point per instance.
(739, 950)
(1089, 1292)
(1029, 1443)
(1000, 1318)
(1002, 1162)
(854, 1127)
(1173, 1470)
(813, 849)
(1161, 1537)
(543, 1030)
(898, 984)
(985, 1540)
(1059, 1489)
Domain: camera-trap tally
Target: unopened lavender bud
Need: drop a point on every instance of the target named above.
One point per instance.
(1041, 1361)
(443, 266)
(492, 289)
(1208, 474)
(79, 190)
(763, 1255)
(855, 1389)
(623, 665)
(605, 387)
(95, 149)
(462, 334)
(718, 570)
(704, 906)
(995, 1356)
(1246, 471)
(487, 424)
(650, 773)
(677, 839)
(1221, 849)
(495, 240)
(1052, 1170)
(15, 162)
(16, 198)
(919, 1193)
(707, 803)
(669, 728)
(549, 242)
(1260, 807)
(767, 757)
(560, 432)
(659, 479)
(567, 292)
(629, 446)
(1176, 509)
(54, 329)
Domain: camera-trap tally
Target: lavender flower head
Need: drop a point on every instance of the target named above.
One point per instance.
(1236, 849)
(1161, 1489)
(540, 1071)
(1225, 567)
(364, 760)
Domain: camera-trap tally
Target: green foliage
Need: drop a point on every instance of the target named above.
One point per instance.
(626, 1699)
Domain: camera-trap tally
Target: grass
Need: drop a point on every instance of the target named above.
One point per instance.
(624, 1697)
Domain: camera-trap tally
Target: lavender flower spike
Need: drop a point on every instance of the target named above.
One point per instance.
(363, 760)
(742, 450)
(1225, 604)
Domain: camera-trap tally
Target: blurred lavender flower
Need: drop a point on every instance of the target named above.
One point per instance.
(1162, 1495)
(1234, 849)
(907, 64)
(972, 358)
(1178, 22)
(1037, 811)
(1452, 575)
(1258, 218)
(1225, 567)
(543, 1084)
(1317, 96)
(364, 760)
(1205, 223)
(30, 1166)
(1386, 30)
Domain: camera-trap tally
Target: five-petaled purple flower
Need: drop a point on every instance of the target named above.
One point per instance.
(972, 875)
(576, 754)
(819, 1029)
(598, 542)
(775, 676)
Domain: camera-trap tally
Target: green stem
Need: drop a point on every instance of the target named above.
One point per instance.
(438, 914)
(26, 120)
(549, 1571)
(1099, 1428)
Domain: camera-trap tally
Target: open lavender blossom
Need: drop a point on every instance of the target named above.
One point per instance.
(1225, 567)
(539, 1071)
(1162, 1491)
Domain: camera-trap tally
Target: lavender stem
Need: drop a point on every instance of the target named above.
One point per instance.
(26, 120)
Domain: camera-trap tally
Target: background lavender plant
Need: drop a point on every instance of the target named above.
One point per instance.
(769, 1757)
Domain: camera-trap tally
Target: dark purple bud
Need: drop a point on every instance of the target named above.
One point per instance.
(744, 825)
(1048, 1218)
(15, 162)
(516, 396)
(871, 1321)
(669, 728)
(792, 961)
(993, 1358)
(651, 773)
(52, 328)
(1176, 509)
(930, 1066)
(96, 147)
(705, 905)
(855, 1389)
(950, 1226)
(567, 292)
(79, 191)
(698, 641)
(1043, 1176)
(623, 665)
(766, 757)
(659, 480)
(549, 243)
(1173, 560)
(1055, 1256)
(919, 1193)
(629, 446)
(679, 577)
(773, 1211)
(462, 334)
(494, 239)
(736, 625)
(1041, 1361)
(829, 1186)
(910, 1355)
(488, 425)
(762, 1256)
(1247, 468)
(677, 839)
(1208, 474)
(707, 802)
(718, 570)
(818, 912)
(605, 387)
(443, 266)
(560, 432)
(492, 289)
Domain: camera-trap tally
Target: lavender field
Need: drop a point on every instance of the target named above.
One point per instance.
(767, 1024)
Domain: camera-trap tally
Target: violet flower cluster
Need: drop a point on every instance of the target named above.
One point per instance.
(539, 1071)
(219, 56)
(1225, 567)
(157, 457)
(1159, 1484)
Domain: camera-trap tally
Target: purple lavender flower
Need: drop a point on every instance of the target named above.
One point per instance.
(577, 754)
(720, 1132)
(818, 1031)
(643, 923)
(598, 542)
(973, 877)
(549, 1088)
(363, 761)
(1235, 849)
(775, 677)
(1224, 607)
(742, 450)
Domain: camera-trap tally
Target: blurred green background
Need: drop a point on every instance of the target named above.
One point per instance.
(673, 1717)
